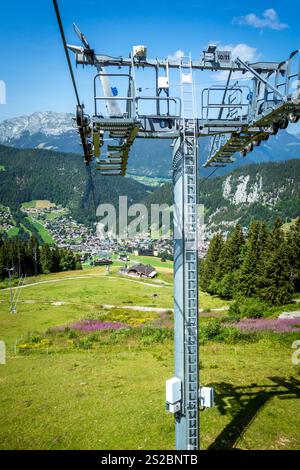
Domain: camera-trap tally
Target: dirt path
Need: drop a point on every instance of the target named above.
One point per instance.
(52, 280)
(202, 313)
(159, 284)
(215, 312)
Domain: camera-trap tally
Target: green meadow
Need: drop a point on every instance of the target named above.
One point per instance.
(67, 389)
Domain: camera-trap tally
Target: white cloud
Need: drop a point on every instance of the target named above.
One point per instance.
(177, 55)
(243, 51)
(268, 20)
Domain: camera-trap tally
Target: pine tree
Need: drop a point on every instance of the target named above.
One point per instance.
(230, 256)
(33, 255)
(293, 241)
(67, 261)
(2, 259)
(57, 254)
(209, 265)
(226, 288)
(46, 258)
(249, 274)
(28, 257)
(276, 285)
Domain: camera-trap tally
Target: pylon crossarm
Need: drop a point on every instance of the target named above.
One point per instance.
(84, 57)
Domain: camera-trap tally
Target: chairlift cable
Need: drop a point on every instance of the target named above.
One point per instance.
(63, 37)
(89, 173)
(205, 179)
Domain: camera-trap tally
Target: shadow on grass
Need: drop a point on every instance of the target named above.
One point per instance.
(245, 403)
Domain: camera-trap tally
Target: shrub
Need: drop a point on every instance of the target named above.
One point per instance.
(213, 287)
(231, 335)
(123, 332)
(151, 335)
(210, 330)
(248, 308)
(234, 309)
(33, 342)
(78, 265)
(216, 331)
(84, 343)
(72, 334)
(34, 338)
(94, 337)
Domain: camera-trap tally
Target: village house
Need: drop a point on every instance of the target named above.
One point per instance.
(141, 270)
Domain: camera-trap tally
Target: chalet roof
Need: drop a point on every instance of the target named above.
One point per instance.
(145, 269)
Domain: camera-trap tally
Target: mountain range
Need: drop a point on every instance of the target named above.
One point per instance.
(151, 158)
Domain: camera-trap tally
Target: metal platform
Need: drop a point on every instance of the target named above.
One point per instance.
(224, 146)
(122, 132)
(271, 104)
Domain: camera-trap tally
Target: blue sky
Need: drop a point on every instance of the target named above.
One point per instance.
(33, 65)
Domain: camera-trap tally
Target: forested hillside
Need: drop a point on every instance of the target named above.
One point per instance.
(263, 191)
(26, 175)
(29, 258)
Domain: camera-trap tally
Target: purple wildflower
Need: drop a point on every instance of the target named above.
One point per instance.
(93, 325)
(280, 325)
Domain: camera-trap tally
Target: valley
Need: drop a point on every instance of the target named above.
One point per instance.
(261, 191)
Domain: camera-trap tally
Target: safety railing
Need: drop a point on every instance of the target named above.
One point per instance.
(216, 100)
(175, 101)
(112, 101)
(286, 81)
(290, 86)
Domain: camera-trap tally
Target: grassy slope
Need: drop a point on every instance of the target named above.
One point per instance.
(86, 400)
(39, 203)
(153, 260)
(45, 235)
(43, 232)
(12, 232)
(93, 287)
(106, 399)
(29, 204)
(256, 415)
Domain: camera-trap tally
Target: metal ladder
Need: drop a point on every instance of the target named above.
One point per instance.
(190, 146)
